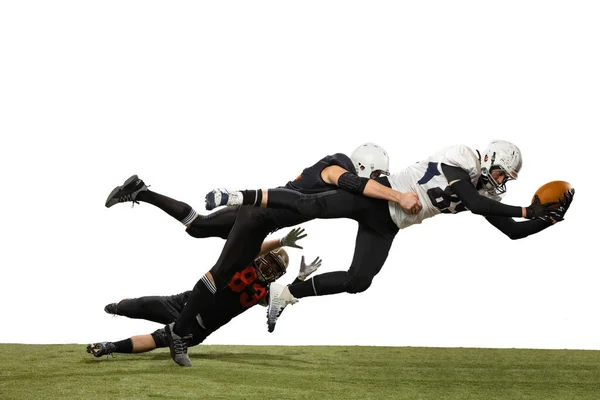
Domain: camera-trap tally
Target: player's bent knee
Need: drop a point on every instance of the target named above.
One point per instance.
(194, 232)
(358, 284)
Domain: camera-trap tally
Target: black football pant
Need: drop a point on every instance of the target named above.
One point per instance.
(216, 224)
(376, 233)
(163, 310)
(159, 309)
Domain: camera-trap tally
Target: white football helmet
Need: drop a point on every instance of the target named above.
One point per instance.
(369, 158)
(504, 155)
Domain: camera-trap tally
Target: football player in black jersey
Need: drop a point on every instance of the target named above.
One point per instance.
(246, 289)
(246, 227)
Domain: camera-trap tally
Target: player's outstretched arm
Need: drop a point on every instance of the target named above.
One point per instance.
(519, 230)
(478, 204)
(487, 207)
(289, 240)
(336, 175)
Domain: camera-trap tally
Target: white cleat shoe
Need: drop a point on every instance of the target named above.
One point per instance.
(223, 197)
(279, 298)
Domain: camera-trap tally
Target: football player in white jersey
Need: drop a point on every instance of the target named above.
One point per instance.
(454, 179)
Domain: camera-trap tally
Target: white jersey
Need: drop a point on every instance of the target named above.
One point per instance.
(429, 182)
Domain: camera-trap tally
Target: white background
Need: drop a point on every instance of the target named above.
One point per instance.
(195, 95)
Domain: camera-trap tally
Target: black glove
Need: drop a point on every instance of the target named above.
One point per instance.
(546, 212)
(568, 198)
(565, 202)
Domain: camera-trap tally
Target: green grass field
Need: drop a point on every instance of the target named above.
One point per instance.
(257, 372)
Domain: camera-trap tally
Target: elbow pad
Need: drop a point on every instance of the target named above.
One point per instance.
(352, 183)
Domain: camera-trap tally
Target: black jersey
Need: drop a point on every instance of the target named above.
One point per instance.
(310, 181)
(243, 291)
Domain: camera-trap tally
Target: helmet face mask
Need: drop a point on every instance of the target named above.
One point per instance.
(491, 185)
(504, 156)
(272, 265)
(370, 161)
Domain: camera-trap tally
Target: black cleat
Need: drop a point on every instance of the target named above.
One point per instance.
(178, 346)
(111, 309)
(126, 192)
(101, 349)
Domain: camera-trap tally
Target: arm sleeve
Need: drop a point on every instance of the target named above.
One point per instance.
(518, 230)
(455, 173)
(476, 203)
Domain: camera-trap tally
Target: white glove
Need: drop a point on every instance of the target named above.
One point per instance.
(292, 237)
(306, 270)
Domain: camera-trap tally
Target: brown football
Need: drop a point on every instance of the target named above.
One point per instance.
(552, 191)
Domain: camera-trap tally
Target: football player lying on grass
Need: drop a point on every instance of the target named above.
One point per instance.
(246, 289)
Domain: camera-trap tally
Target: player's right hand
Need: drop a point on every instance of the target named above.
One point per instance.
(292, 237)
(546, 212)
(410, 203)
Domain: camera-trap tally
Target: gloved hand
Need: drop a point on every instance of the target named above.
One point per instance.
(546, 212)
(306, 270)
(567, 199)
(292, 237)
(565, 203)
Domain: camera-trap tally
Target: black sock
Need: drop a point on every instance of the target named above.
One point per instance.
(252, 197)
(124, 346)
(181, 211)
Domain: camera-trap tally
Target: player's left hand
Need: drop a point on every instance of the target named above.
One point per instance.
(307, 269)
(567, 199)
(565, 203)
(292, 237)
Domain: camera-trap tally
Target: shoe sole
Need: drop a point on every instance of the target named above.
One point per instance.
(271, 322)
(90, 350)
(209, 201)
(272, 317)
(115, 190)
